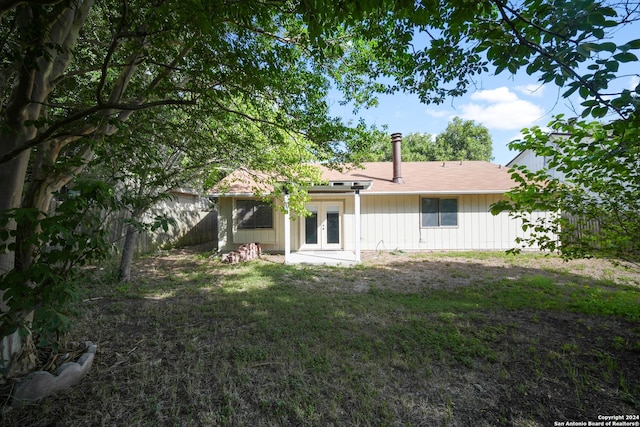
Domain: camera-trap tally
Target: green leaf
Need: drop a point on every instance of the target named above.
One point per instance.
(584, 92)
(599, 112)
(582, 50)
(590, 103)
(572, 88)
(625, 57)
(608, 46)
(612, 66)
(590, 47)
(596, 19)
(633, 44)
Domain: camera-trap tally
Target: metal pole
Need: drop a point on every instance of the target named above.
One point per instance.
(357, 224)
(287, 230)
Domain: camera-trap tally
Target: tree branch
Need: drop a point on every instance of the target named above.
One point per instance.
(502, 7)
(51, 131)
(6, 5)
(115, 42)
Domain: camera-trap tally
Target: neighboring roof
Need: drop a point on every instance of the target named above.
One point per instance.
(466, 177)
(184, 190)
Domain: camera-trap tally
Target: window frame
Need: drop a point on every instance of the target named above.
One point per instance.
(439, 212)
(256, 205)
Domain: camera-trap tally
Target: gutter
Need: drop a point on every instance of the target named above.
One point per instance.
(381, 193)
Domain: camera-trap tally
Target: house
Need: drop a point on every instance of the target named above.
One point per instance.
(534, 162)
(410, 206)
(580, 222)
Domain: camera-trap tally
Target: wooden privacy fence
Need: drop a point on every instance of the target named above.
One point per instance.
(582, 228)
(196, 222)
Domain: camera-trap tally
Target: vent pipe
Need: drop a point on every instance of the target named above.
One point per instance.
(396, 142)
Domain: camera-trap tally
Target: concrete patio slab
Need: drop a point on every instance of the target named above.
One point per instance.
(334, 258)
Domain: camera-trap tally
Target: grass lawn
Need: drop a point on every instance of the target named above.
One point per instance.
(424, 340)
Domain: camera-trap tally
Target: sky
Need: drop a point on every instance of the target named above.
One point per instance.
(504, 104)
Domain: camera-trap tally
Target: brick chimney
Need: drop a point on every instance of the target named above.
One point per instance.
(396, 142)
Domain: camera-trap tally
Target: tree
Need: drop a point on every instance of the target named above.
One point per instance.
(148, 159)
(591, 186)
(416, 147)
(594, 201)
(464, 140)
(143, 170)
(461, 140)
(75, 72)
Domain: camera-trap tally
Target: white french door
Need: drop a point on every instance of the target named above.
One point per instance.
(322, 230)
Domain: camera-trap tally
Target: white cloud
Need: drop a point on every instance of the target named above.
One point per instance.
(535, 90)
(634, 81)
(501, 109)
(501, 94)
(514, 137)
(436, 113)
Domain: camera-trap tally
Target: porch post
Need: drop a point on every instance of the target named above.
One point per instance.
(287, 230)
(357, 223)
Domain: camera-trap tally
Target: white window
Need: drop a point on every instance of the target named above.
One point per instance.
(252, 214)
(438, 212)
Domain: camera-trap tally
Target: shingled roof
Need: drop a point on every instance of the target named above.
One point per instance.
(466, 177)
(431, 177)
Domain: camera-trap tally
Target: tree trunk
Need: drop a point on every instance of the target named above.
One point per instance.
(16, 352)
(12, 176)
(31, 87)
(127, 253)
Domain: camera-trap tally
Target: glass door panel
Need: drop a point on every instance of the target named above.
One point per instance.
(322, 229)
(311, 226)
(333, 224)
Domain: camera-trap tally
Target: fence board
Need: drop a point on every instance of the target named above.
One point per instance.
(196, 222)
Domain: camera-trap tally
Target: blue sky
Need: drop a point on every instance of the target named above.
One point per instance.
(505, 104)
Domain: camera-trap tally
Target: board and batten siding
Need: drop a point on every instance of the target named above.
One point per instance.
(389, 222)
(229, 237)
(393, 222)
(534, 163)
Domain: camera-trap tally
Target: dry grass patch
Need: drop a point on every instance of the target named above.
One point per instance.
(405, 339)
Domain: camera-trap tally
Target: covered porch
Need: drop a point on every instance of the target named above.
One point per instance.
(324, 239)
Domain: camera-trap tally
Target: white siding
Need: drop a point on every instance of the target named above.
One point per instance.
(263, 236)
(534, 163)
(229, 237)
(393, 222)
(225, 224)
(390, 222)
